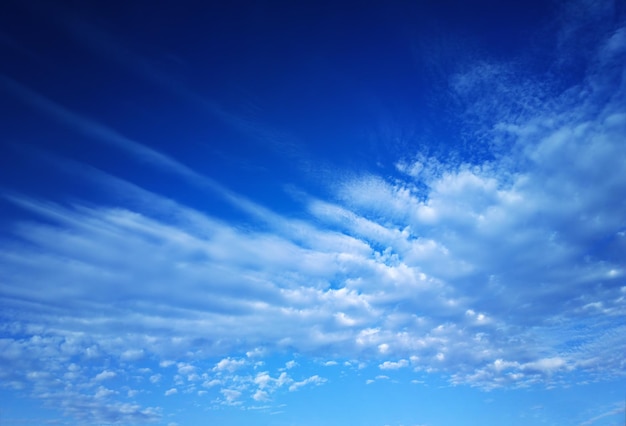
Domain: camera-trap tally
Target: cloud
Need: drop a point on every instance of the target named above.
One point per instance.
(102, 42)
(393, 365)
(96, 130)
(545, 365)
(132, 354)
(377, 378)
(211, 383)
(256, 352)
(264, 381)
(316, 380)
(105, 375)
(260, 395)
(229, 364)
(480, 270)
(618, 410)
(231, 396)
(185, 369)
(103, 392)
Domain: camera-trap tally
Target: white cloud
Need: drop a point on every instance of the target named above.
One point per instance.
(393, 365)
(132, 354)
(103, 392)
(263, 379)
(545, 365)
(447, 267)
(260, 395)
(229, 364)
(105, 375)
(266, 382)
(256, 352)
(185, 369)
(171, 391)
(618, 410)
(232, 396)
(316, 380)
(211, 383)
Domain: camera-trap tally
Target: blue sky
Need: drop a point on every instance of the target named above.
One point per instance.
(313, 213)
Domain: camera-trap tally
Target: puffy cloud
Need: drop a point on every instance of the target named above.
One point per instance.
(231, 396)
(171, 391)
(545, 365)
(103, 392)
(264, 381)
(132, 354)
(211, 383)
(229, 364)
(185, 369)
(260, 395)
(105, 375)
(316, 380)
(393, 365)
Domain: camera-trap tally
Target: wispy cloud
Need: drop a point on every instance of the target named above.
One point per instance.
(102, 43)
(505, 272)
(619, 409)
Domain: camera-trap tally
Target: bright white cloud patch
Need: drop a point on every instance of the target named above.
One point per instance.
(393, 365)
(105, 375)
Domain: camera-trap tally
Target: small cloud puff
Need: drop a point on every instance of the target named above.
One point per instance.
(232, 396)
(132, 354)
(229, 365)
(105, 375)
(103, 392)
(316, 380)
(260, 395)
(391, 365)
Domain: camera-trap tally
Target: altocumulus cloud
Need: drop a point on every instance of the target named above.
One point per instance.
(455, 268)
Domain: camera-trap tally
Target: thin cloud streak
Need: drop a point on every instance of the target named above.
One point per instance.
(136, 149)
(99, 41)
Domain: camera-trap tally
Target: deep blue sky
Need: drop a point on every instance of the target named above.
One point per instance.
(306, 213)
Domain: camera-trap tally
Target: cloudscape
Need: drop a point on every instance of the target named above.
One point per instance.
(313, 213)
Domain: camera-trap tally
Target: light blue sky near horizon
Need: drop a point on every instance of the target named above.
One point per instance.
(313, 214)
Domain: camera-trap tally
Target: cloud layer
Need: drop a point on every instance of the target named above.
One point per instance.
(500, 272)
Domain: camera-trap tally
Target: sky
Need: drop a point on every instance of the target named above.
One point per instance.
(313, 213)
